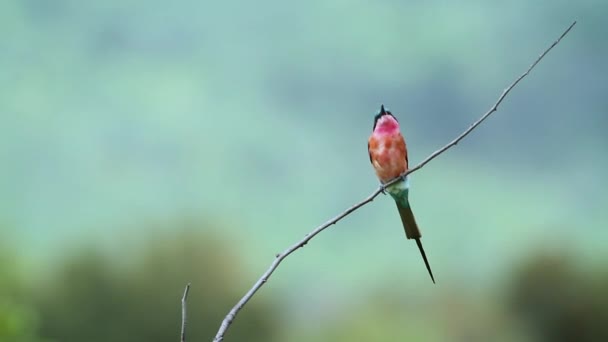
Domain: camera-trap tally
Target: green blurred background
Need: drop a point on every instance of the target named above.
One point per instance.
(146, 144)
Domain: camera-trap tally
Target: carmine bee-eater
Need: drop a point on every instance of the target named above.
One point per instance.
(388, 155)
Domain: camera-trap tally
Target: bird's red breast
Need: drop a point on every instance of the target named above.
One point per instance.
(387, 149)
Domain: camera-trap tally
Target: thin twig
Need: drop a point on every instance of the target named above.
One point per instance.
(279, 257)
(184, 313)
(492, 110)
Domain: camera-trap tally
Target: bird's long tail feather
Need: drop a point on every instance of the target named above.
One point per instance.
(412, 231)
(409, 223)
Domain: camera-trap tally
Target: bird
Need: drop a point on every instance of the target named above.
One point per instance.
(388, 155)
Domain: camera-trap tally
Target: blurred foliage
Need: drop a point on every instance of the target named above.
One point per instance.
(556, 300)
(18, 319)
(89, 298)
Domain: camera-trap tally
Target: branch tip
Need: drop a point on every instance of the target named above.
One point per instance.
(184, 313)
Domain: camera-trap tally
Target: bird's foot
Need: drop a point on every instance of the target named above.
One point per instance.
(383, 189)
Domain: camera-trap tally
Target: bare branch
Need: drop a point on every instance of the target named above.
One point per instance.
(493, 109)
(281, 256)
(184, 313)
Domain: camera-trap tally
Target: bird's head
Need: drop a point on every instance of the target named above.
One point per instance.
(385, 122)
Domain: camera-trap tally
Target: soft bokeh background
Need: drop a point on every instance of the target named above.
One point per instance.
(147, 144)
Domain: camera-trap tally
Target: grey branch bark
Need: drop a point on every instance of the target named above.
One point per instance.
(281, 256)
(184, 313)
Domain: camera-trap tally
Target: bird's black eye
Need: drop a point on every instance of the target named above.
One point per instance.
(376, 118)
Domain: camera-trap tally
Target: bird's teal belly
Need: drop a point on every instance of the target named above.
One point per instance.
(400, 191)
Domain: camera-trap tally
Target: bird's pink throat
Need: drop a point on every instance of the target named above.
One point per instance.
(387, 125)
